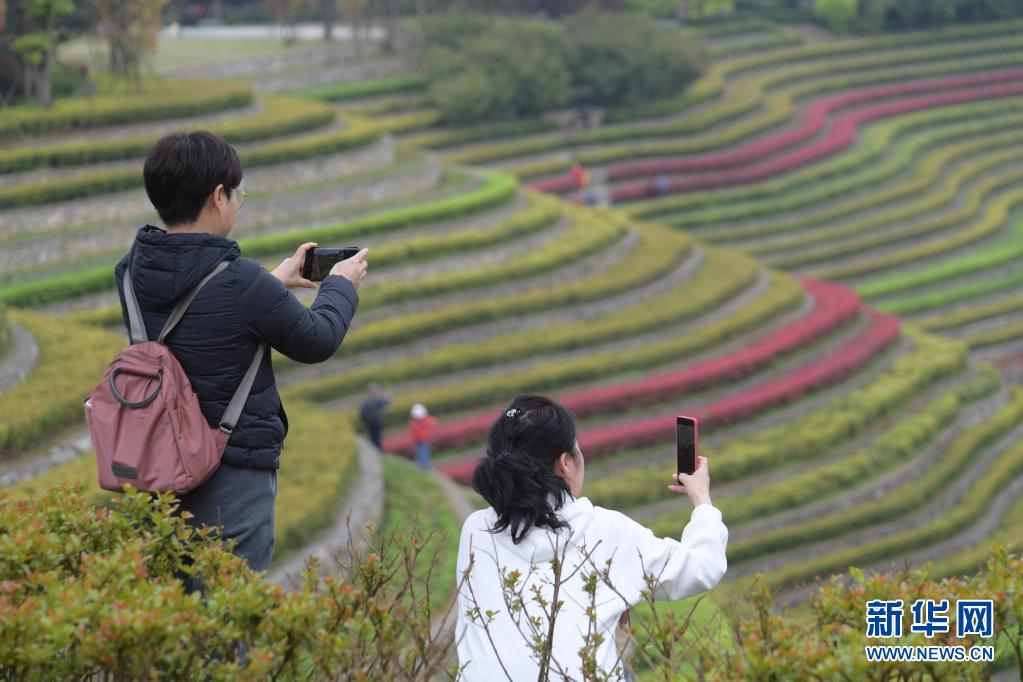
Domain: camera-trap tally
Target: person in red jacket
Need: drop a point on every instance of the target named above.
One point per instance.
(422, 425)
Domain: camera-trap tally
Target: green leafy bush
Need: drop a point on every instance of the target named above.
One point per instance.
(479, 69)
(613, 58)
(839, 15)
(91, 592)
(514, 69)
(342, 92)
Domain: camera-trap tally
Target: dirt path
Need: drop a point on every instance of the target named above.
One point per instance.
(20, 359)
(364, 505)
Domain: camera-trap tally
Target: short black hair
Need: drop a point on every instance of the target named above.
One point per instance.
(183, 169)
(517, 476)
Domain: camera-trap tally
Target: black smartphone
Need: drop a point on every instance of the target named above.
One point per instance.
(685, 444)
(320, 259)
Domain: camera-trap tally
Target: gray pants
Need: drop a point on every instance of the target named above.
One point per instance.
(242, 502)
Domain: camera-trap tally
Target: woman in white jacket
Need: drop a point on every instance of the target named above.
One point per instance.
(532, 477)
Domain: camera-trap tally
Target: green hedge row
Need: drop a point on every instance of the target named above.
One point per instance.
(657, 254)
(281, 116)
(705, 294)
(879, 137)
(162, 99)
(1006, 332)
(408, 122)
(970, 507)
(344, 92)
(586, 235)
(968, 560)
(446, 137)
(284, 117)
(875, 229)
(497, 188)
(50, 399)
(982, 311)
(887, 151)
(959, 455)
(821, 431)
(992, 217)
(895, 446)
(776, 108)
(951, 294)
(1008, 248)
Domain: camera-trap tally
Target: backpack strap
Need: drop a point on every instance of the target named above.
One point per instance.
(136, 330)
(234, 408)
(186, 300)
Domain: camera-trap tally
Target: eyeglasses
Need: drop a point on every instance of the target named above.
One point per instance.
(241, 193)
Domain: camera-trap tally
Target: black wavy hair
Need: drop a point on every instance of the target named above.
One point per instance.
(517, 476)
(183, 169)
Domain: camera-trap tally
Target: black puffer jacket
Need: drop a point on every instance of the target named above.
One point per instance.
(218, 336)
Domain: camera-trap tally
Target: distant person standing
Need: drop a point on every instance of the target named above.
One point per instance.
(422, 425)
(580, 176)
(661, 185)
(372, 413)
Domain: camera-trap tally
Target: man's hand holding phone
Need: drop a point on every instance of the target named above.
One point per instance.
(696, 485)
(353, 269)
(290, 269)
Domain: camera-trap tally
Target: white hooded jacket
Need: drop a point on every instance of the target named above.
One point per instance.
(595, 536)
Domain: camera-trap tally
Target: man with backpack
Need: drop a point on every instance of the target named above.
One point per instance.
(239, 311)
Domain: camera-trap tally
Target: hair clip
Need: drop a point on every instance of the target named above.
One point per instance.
(513, 412)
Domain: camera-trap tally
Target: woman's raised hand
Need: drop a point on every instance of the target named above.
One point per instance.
(696, 485)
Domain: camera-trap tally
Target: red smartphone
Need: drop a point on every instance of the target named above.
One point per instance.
(685, 444)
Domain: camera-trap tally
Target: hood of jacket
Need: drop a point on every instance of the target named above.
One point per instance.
(164, 267)
(540, 544)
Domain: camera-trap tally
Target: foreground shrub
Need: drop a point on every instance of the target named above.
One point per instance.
(87, 592)
(92, 593)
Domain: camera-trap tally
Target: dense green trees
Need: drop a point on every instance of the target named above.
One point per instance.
(901, 15)
(484, 69)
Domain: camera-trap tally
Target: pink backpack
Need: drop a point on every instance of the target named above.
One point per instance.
(144, 418)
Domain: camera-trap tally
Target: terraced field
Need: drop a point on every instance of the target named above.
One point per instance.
(823, 303)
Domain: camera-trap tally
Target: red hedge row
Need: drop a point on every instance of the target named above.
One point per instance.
(882, 331)
(840, 136)
(833, 306)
